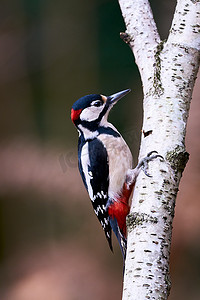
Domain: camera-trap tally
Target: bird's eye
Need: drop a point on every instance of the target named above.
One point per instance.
(97, 103)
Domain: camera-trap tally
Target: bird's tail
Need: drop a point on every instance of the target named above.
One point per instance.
(117, 212)
(120, 236)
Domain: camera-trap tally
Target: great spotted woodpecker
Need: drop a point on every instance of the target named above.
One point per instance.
(105, 163)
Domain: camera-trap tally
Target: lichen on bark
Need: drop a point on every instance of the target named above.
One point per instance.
(135, 219)
(178, 158)
(158, 89)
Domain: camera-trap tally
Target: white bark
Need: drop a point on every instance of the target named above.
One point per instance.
(168, 71)
(143, 34)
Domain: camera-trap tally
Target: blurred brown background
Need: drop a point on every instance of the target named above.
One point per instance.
(51, 245)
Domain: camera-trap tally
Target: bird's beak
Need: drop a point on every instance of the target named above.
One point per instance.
(115, 97)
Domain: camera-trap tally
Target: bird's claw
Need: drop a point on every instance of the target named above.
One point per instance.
(143, 164)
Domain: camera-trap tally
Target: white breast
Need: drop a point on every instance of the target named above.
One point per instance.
(120, 160)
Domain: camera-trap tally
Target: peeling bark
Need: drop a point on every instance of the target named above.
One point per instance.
(168, 71)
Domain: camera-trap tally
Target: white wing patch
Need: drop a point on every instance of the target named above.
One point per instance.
(88, 176)
(85, 164)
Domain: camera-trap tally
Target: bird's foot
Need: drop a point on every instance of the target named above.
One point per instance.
(143, 164)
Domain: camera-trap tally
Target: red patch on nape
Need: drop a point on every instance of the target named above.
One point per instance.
(75, 114)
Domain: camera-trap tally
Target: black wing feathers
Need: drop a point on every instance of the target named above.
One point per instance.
(98, 166)
(96, 179)
(99, 172)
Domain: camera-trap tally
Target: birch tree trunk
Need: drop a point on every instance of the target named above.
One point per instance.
(168, 71)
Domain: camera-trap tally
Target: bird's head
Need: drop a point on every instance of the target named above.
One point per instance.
(92, 110)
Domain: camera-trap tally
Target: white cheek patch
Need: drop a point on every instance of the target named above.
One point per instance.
(91, 113)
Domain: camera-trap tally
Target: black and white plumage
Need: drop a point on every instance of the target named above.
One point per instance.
(105, 163)
(96, 179)
(104, 160)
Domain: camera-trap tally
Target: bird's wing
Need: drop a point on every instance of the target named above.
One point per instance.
(94, 165)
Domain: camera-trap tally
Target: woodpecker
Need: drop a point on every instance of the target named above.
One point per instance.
(105, 163)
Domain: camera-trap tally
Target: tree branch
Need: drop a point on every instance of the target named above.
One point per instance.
(168, 70)
(143, 35)
(185, 26)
